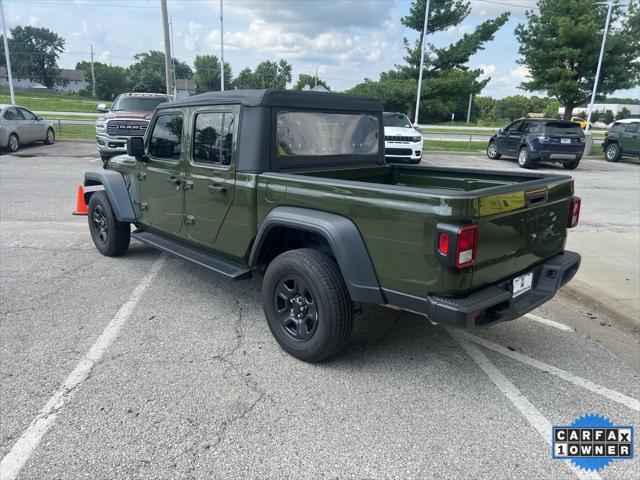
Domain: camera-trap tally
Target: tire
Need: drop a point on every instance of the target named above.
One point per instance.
(524, 158)
(571, 165)
(492, 151)
(307, 282)
(51, 137)
(612, 153)
(13, 144)
(110, 236)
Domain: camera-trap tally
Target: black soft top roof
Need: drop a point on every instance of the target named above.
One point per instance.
(280, 98)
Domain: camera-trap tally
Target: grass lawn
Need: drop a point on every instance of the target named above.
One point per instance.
(78, 132)
(454, 145)
(52, 102)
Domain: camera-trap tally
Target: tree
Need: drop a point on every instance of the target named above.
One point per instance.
(147, 74)
(552, 109)
(515, 106)
(608, 117)
(110, 80)
(560, 45)
(311, 80)
(34, 54)
(274, 75)
(447, 79)
(207, 73)
(624, 113)
(483, 106)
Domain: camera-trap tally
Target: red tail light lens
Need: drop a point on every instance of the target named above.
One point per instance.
(467, 246)
(574, 212)
(443, 243)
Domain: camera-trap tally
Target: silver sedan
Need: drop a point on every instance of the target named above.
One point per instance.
(19, 126)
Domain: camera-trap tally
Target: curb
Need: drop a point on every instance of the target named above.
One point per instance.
(619, 315)
(74, 140)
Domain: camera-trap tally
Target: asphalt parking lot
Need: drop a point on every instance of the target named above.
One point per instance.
(148, 367)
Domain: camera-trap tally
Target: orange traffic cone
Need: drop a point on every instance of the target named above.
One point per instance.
(81, 207)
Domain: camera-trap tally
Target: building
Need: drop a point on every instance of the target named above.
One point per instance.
(74, 81)
(185, 87)
(600, 109)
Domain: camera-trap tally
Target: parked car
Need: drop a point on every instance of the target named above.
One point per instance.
(622, 139)
(402, 142)
(19, 126)
(582, 122)
(129, 115)
(535, 140)
(299, 189)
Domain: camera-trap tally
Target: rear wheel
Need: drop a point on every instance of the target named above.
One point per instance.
(492, 151)
(307, 304)
(571, 165)
(110, 236)
(612, 153)
(524, 158)
(50, 138)
(13, 144)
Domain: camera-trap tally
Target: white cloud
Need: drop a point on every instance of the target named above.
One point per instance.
(519, 74)
(487, 70)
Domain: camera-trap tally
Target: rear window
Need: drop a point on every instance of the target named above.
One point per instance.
(562, 127)
(314, 134)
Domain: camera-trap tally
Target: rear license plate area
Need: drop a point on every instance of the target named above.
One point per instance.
(565, 140)
(522, 284)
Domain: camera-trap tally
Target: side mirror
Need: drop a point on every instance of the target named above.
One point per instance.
(501, 131)
(102, 108)
(39, 118)
(135, 148)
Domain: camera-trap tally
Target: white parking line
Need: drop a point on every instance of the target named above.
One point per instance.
(551, 323)
(515, 396)
(29, 440)
(613, 395)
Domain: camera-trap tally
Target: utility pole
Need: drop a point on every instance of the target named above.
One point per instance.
(221, 49)
(167, 46)
(173, 63)
(469, 109)
(611, 4)
(6, 53)
(93, 76)
(316, 78)
(422, 48)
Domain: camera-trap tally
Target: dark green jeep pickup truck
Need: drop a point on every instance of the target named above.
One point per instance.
(295, 185)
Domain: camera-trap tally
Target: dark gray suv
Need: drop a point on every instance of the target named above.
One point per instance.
(534, 140)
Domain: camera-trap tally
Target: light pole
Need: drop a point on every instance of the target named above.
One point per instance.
(221, 50)
(610, 4)
(6, 53)
(167, 47)
(422, 48)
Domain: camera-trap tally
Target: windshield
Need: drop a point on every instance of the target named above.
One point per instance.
(308, 134)
(397, 120)
(139, 104)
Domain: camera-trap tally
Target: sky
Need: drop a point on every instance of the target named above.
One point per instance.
(345, 40)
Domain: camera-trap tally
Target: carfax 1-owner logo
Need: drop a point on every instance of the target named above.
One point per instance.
(592, 442)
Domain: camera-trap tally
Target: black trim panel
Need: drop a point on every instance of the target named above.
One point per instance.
(345, 241)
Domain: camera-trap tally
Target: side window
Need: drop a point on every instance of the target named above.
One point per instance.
(213, 138)
(525, 126)
(12, 114)
(514, 126)
(632, 128)
(27, 114)
(166, 138)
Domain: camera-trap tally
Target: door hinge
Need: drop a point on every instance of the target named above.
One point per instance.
(141, 205)
(190, 220)
(187, 185)
(142, 176)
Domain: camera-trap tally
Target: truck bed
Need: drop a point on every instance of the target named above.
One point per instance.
(522, 218)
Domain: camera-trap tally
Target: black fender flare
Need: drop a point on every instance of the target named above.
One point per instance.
(344, 239)
(116, 189)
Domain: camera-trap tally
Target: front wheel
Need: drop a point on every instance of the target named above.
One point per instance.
(524, 158)
(13, 144)
(492, 151)
(571, 165)
(50, 138)
(307, 304)
(110, 236)
(612, 152)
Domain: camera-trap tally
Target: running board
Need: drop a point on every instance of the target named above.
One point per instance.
(227, 268)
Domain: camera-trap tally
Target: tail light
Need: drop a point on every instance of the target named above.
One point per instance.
(456, 246)
(574, 212)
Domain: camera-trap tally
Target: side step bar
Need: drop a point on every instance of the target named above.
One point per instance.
(227, 268)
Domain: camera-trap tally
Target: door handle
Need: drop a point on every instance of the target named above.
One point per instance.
(217, 189)
(173, 180)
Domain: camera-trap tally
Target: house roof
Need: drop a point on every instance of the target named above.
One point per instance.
(186, 84)
(281, 98)
(66, 73)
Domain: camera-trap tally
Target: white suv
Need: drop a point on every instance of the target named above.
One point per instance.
(402, 142)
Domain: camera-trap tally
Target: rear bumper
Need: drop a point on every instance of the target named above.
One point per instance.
(495, 303)
(558, 153)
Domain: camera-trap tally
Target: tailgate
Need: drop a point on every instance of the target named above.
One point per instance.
(520, 228)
